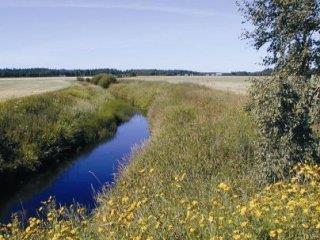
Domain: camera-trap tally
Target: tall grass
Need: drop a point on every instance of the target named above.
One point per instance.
(40, 129)
(196, 178)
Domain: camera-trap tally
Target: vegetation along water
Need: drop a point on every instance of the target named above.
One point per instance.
(78, 179)
(197, 178)
(44, 129)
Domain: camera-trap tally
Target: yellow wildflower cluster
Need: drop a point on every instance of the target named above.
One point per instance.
(57, 223)
(284, 210)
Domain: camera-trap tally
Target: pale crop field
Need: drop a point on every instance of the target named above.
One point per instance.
(19, 87)
(234, 84)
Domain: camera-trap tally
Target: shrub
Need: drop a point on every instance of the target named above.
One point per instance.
(80, 79)
(103, 80)
(284, 111)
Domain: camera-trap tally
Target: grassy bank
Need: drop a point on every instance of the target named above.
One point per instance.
(41, 129)
(195, 179)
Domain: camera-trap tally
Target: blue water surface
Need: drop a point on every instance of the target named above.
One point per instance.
(79, 179)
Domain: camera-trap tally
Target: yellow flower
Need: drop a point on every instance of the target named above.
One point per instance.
(125, 199)
(279, 231)
(237, 237)
(243, 210)
(273, 233)
(244, 224)
(224, 187)
(157, 225)
(191, 230)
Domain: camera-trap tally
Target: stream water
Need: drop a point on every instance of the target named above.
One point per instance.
(79, 179)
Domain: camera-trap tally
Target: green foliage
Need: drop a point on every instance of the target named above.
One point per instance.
(282, 108)
(286, 104)
(42, 128)
(103, 80)
(289, 29)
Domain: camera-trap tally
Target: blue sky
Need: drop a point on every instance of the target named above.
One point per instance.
(201, 35)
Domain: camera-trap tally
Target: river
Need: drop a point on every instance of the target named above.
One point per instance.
(78, 180)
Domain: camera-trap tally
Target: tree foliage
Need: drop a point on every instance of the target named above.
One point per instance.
(286, 105)
(289, 29)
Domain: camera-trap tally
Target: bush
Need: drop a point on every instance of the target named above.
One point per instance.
(80, 79)
(284, 109)
(103, 80)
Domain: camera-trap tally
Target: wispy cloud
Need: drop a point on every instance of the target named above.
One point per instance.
(132, 5)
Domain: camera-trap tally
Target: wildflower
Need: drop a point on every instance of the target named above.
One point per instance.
(305, 225)
(125, 199)
(157, 225)
(273, 233)
(237, 236)
(224, 187)
(243, 224)
(243, 210)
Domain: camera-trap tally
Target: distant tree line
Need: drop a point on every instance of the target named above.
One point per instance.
(265, 72)
(46, 72)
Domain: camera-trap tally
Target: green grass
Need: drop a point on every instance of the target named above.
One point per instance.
(40, 129)
(199, 137)
(196, 178)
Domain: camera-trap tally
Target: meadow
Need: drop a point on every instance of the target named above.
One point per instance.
(196, 178)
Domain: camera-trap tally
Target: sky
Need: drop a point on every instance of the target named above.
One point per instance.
(200, 35)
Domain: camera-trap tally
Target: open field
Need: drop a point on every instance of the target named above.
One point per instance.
(227, 83)
(19, 87)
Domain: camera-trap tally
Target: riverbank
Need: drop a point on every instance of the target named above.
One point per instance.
(77, 179)
(44, 129)
(196, 178)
